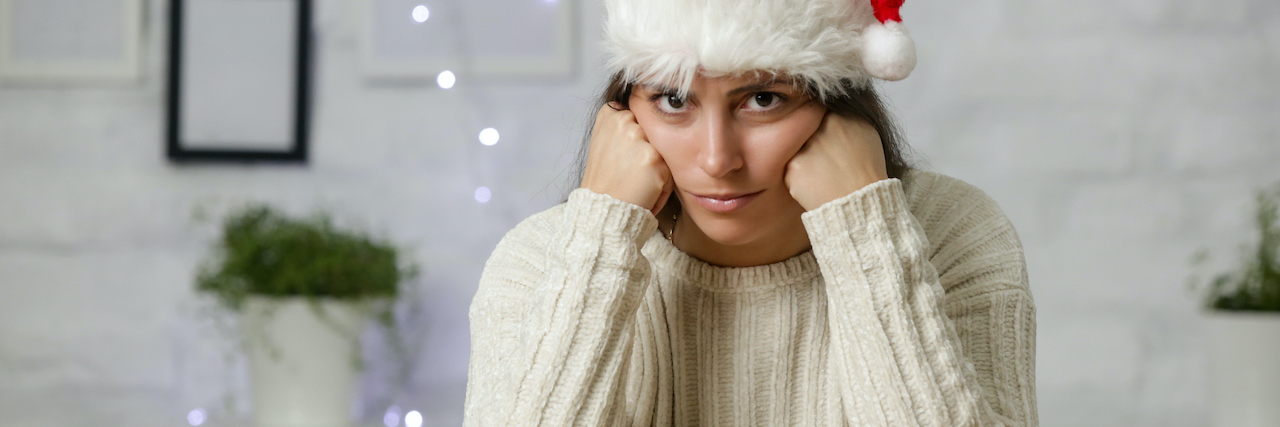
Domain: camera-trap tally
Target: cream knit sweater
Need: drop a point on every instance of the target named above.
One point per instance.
(912, 309)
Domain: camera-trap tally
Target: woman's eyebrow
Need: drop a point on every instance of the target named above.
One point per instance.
(657, 88)
(756, 87)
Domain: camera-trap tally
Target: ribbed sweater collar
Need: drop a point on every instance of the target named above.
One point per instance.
(671, 263)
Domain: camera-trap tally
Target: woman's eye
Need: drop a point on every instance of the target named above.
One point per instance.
(762, 101)
(671, 103)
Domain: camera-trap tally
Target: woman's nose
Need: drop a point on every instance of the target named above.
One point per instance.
(721, 153)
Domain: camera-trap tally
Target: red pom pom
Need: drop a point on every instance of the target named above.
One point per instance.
(887, 10)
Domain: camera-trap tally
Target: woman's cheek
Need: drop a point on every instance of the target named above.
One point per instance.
(665, 140)
(806, 121)
(781, 143)
(675, 153)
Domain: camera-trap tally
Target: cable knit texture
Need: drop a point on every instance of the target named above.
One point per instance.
(912, 309)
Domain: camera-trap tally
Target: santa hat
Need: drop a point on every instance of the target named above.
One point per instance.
(668, 42)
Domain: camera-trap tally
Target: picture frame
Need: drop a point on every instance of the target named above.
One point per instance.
(238, 80)
(70, 42)
(504, 39)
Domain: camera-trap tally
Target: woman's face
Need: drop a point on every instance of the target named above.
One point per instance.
(727, 144)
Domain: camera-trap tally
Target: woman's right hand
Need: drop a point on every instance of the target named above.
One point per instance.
(622, 164)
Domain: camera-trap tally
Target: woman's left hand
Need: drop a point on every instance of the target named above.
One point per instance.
(842, 156)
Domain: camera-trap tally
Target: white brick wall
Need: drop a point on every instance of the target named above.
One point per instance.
(1118, 136)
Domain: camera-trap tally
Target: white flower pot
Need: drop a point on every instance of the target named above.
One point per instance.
(1244, 362)
(301, 366)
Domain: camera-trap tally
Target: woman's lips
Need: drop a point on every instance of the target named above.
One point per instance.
(725, 203)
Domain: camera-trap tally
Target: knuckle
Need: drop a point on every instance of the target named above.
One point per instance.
(649, 155)
(625, 117)
(635, 132)
(795, 165)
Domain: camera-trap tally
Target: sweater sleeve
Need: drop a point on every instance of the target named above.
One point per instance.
(911, 346)
(551, 321)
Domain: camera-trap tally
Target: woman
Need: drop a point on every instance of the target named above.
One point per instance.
(748, 246)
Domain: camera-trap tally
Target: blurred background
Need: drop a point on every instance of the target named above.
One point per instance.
(1119, 136)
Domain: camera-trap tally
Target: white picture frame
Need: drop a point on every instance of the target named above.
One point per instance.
(70, 41)
(486, 39)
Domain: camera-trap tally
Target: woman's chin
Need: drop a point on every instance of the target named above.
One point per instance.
(729, 232)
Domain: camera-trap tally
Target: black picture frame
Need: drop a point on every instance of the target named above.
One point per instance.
(179, 152)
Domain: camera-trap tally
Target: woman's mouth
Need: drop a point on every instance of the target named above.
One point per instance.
(724, 203)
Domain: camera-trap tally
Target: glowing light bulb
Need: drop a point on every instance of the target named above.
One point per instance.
(446, 79)
(196, 417)
(413, 419)
(392, 417)
(489, 136)
(483, 194)
(421, 13)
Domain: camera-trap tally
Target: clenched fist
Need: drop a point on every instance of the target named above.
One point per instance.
(622, 164)
(842, 156)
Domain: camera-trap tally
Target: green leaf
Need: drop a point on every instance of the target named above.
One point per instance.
(1255, 286)
(262, 252)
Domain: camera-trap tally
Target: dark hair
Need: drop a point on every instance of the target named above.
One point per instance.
(856, 101)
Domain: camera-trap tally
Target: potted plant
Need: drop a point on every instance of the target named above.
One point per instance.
(303, 291)
(1242, 323)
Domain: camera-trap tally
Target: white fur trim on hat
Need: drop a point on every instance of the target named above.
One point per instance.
(668, 42)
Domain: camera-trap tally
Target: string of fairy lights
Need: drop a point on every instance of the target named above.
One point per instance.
(446, 80)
